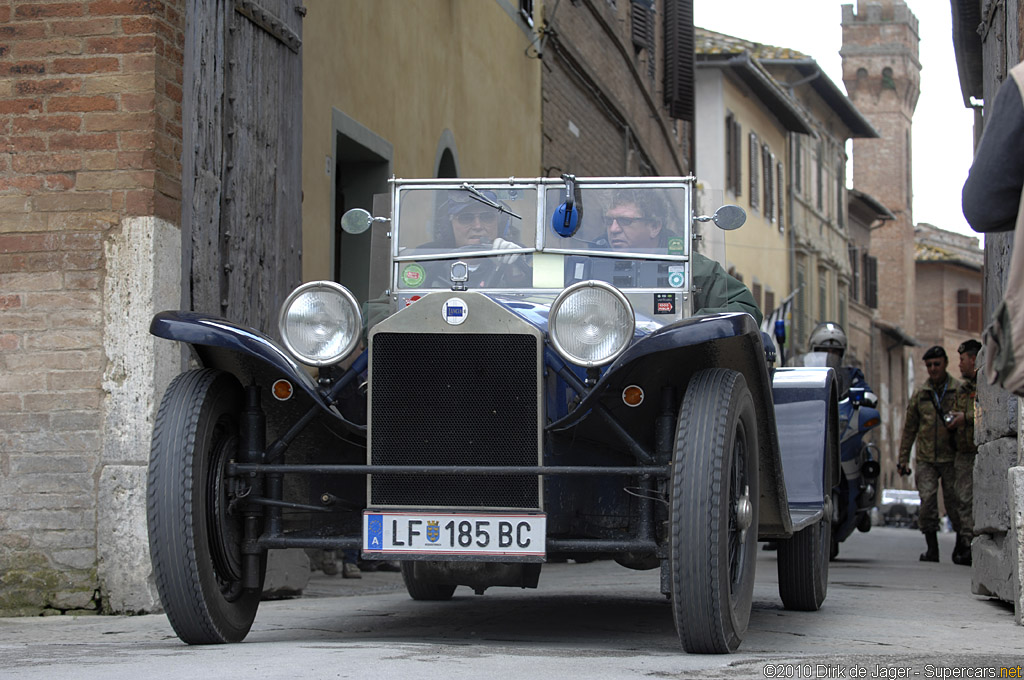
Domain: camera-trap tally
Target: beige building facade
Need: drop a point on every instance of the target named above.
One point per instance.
(744, 119)
(423, 89)
(780, 128)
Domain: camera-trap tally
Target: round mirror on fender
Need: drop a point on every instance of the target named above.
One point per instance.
(356, 221)
(730, 217)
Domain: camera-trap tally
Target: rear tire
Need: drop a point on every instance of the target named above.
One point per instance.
(714, 507)
(420, 589)
(194, 540)
(803, 559)
(803, 566)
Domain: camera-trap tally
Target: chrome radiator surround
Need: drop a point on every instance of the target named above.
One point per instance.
(466, 394)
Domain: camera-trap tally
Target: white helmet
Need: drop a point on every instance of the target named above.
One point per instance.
(827, 336)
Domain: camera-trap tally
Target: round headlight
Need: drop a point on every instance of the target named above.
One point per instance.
(591, 323)
(320, 323)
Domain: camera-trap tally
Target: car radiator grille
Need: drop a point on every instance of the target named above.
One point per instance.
(454, 399)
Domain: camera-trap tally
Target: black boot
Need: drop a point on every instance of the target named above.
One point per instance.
(932, 554)
(962, 554)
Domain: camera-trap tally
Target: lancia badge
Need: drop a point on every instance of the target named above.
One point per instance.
(454, 311)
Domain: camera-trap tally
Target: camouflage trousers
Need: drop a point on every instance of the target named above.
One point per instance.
(928, 476)
(964, 468)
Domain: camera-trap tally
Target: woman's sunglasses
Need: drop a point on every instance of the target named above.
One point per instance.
(466, 219)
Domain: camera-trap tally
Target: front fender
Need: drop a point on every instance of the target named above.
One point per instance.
(218, 343)
(667, 359)
(696, 341)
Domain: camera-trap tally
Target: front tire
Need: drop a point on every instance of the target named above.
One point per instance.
(714, 508)
(194, 539)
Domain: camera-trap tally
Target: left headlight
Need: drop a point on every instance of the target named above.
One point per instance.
(591, 323)
(320, 323)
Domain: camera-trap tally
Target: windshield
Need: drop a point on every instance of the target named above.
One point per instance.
(632, 234)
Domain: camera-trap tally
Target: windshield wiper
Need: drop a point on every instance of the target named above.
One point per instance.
(475, 193)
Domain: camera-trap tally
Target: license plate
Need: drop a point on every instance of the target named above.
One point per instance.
(433, 533)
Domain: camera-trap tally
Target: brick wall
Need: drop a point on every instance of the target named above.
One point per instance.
(90, 138)
(595, 79)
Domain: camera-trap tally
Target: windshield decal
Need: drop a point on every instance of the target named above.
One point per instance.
(664, 303)
(413, 276)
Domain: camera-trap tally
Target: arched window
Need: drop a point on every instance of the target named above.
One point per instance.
(446, 166)
(887, 82)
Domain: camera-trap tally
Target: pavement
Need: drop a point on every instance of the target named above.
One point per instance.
(887, 615)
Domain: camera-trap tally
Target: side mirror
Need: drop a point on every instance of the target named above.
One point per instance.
(357, 220)
(729, 217)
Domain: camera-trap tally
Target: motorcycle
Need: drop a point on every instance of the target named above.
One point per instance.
(856, 494)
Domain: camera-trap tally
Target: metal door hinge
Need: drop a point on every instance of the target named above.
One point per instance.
(269, 23)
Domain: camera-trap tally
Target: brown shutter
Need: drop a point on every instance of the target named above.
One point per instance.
(871, 281)
(679, 42)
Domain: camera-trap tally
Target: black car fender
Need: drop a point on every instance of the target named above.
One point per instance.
(249, 355)
(666, 360)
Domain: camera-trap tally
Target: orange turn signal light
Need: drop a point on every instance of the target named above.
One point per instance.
(633, 395)
(282, 390)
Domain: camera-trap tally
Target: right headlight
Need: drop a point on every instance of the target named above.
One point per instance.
(320, 323)
(591, 323)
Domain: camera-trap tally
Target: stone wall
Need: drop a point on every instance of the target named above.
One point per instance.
(90, 142)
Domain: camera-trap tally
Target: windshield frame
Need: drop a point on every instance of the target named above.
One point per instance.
(545, 240)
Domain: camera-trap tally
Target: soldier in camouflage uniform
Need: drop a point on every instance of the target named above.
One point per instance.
(962, 427)
(926, 424)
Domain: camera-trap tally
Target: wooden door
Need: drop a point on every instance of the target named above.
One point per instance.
(241, 164)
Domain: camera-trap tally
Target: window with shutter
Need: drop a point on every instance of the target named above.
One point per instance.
(755, 288)
(798, 164)
(854, 275)
(871, 281)
(968, 311)
(974, 318)
(822, 295)
(737, 144)
(801, 306)
(679, 69)
(732, 150)
(782, 192)
(642, 21)
(840, 202)
(755, 164)
(769, 185)
(819, 174)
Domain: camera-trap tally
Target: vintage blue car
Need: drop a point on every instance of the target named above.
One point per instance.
(553, 371)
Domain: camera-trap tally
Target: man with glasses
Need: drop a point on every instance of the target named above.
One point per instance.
(635, 221)
(929, 415)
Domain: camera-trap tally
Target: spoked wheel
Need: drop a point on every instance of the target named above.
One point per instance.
(421, 589)
(714, 512)
(194, 538)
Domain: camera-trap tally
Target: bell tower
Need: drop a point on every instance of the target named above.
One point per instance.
(882, 75)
